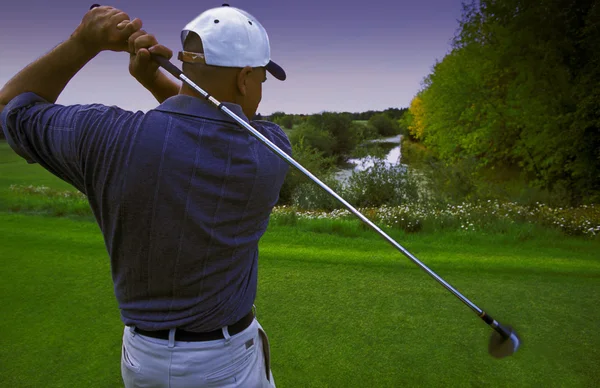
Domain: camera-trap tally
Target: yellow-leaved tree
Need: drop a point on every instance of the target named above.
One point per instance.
(417, 125)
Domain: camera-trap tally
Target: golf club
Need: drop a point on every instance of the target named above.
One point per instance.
(504, 341)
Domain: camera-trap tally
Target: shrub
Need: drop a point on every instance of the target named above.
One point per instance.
(478, 217)
(311, 196)
(382, 184)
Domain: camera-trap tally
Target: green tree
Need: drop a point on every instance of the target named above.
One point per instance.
(519, 89)
(395, 113)
(341, 128)
(384, 124)
(276, 115)
(314, 137)
(285, 121)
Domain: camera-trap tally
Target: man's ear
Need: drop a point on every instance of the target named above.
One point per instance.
(242, 79)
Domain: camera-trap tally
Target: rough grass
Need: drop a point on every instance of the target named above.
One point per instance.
(14, 171)
(51, 196)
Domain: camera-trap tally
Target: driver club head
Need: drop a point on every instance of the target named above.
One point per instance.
(500, 347)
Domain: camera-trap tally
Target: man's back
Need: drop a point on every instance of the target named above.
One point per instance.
(182, 203)
(181, 194)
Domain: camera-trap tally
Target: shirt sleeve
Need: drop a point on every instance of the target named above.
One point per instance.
(60, 138)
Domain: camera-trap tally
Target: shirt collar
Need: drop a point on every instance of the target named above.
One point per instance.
(199, 107)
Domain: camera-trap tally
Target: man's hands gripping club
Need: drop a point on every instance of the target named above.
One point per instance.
(48, 75)
(141, 66)
(106, 28)
(139, 44)
(146, 70)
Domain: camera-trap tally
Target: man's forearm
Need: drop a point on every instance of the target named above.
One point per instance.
(48, 75)
(162, 87)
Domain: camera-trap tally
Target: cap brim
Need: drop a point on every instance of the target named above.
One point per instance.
(276, 70)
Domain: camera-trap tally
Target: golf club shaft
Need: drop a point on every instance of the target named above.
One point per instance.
(173, 70)
(167, 65)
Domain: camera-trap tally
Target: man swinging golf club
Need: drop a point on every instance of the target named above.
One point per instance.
(181, 194)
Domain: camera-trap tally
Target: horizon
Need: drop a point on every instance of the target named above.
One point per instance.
(337, 112)
(338, 57)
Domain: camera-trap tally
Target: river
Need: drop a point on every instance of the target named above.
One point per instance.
(392, 158)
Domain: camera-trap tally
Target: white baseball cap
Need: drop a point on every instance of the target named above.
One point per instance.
(232, 37)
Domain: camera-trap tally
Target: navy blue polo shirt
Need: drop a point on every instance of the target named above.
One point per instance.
(182, 195)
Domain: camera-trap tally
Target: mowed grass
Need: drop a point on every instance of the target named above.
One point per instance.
(341, 307)
(15, 170)
(339, 311)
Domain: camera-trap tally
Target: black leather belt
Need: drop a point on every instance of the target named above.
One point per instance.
(190, 336)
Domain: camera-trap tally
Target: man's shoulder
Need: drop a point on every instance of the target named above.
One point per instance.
(269, 125)
(28, 99)
(273, 129)
(24, 99)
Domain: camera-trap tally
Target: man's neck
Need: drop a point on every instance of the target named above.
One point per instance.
(188, 91)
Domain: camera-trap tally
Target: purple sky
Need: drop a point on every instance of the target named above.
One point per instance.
(338, 55)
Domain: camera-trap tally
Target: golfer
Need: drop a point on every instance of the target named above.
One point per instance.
(181, 193)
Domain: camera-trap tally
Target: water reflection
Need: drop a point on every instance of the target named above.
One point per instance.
(392, 158)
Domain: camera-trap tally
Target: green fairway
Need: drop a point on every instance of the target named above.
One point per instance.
(340, 311)
(15, 170)
(341, 307)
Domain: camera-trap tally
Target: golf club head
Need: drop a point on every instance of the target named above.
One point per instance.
(500, 347)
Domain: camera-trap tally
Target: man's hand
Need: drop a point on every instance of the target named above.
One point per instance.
(144, 69)
(48, 75)
(141, 65)
(104, 28)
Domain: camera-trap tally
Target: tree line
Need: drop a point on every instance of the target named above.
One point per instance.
(288, 120)
(518, 92)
